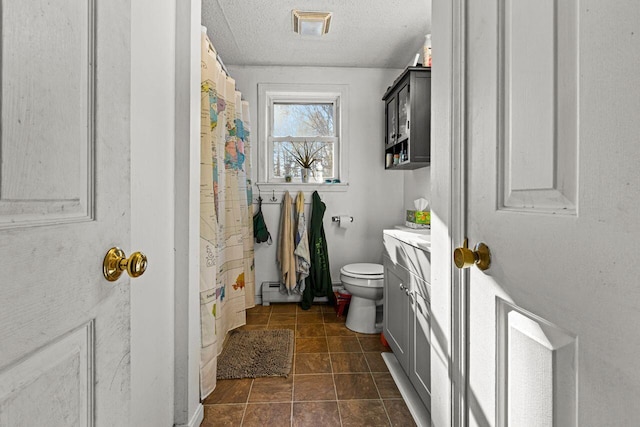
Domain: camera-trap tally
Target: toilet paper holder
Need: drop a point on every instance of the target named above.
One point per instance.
(337, 218)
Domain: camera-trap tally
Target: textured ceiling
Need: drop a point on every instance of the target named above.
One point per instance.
(364, 33)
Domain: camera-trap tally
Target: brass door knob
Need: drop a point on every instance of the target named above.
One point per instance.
(480, 256)
(115, 262)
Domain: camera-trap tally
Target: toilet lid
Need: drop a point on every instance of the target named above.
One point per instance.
(364, 269)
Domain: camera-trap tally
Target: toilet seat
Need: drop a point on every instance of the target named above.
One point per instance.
(367, 271)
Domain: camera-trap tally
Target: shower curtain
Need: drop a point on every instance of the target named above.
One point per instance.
(227, 279)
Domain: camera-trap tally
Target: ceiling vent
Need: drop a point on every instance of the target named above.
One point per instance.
(311, 23)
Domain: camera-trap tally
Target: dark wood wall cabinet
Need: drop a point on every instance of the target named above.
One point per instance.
(407, 103)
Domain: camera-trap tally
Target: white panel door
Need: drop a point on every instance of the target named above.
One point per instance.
(553, 173)
(64, 201)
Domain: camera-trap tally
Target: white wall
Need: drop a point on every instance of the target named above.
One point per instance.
(152, 150)
(417, 184)
(374, 197)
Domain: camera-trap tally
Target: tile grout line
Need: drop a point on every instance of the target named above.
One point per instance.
(295, 360)
(384, 408)
(246, 405)
(333, 374)
(244, 411)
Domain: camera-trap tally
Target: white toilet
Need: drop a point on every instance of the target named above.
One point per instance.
(365, 282)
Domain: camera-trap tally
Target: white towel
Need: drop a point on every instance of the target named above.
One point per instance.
(303, 257)
(284, 255)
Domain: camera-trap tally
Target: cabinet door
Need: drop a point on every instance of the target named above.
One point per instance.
(403, 112)
(392, 120)
(396, 317)
(420, 360)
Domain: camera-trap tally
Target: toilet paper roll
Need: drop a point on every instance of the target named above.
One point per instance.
(345, 221)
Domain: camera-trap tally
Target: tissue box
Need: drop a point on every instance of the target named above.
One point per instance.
(419, 217)
(415, 226)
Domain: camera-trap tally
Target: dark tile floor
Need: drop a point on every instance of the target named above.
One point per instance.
(338, 378)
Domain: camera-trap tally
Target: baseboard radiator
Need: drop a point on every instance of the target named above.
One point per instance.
(271, 293)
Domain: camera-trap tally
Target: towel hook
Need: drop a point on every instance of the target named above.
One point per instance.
(259, 199)
(273, 196)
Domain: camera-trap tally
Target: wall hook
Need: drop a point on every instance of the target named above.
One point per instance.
(273, 196)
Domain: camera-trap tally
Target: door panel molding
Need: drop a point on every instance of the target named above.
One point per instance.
(47, 147)
(58, 379)
(538, 106)
(458, 175)
(536, 370)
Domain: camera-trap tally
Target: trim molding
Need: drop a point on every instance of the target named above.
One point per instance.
(305, 91)
(419, 412)
(196, 419)
(458, 216)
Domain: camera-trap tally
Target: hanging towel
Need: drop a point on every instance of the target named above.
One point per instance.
(303, 258)
(285, 256)
(260, 231)
(318, 284)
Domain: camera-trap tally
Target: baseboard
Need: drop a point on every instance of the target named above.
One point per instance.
(419, 412)
(197, 418)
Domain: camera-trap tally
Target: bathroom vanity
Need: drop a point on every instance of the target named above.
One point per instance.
(406, 325)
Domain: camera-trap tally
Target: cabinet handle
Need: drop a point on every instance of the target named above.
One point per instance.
(407, 124)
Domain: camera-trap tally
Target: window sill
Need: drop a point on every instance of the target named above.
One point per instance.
(304, 187)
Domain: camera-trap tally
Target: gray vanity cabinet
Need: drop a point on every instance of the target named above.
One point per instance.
(396, 319)
(407, 319)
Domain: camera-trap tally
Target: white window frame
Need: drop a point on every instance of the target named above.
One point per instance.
(270, 93)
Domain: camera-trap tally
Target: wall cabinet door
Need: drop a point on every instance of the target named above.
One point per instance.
(396, 316)
(392, 121)
(403, 112)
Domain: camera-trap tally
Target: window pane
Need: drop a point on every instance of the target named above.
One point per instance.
(285, 153)
(303, 120)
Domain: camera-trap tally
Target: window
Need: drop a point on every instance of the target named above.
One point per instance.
(301, 121)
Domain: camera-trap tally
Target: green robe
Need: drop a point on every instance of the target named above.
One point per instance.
(318, 284)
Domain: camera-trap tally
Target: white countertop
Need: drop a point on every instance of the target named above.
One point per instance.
(421, 239)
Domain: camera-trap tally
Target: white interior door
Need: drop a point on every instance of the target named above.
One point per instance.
(64, 201)
(554, 191)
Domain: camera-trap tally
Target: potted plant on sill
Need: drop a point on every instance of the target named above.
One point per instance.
(304, 154)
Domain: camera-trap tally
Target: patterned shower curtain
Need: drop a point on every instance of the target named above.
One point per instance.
(227, 279)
